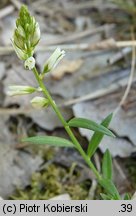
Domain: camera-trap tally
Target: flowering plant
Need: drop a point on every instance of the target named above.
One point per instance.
(25, 38)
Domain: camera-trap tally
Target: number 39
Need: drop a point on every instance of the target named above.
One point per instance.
(126, 208)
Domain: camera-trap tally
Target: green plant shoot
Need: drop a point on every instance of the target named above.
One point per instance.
(25, 38)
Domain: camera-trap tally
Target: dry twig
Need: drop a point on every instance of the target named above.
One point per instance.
(98, 93)
(130, 80)
(6, 11)
(119, 55)
(16, 3)
(102, 45)
(79, 35)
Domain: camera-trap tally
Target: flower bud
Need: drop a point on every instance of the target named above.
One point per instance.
(53, 60)
(39, 102)
(26, 35)
(36, 36)
(30, 63)
(21, 31)
(20, 90)
(20, 53)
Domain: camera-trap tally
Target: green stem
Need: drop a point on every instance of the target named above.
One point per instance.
(64, 123)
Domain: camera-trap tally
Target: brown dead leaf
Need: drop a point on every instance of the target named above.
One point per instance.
(66, 67)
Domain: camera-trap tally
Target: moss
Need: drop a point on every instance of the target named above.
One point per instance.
(46, 152)
(77, 192)
(52, 181)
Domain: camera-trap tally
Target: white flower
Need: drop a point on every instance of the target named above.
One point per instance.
(21, 31)
(54, 60)
(39, 102)
(26, 34)
(36, 36)
(30, 63)
(20, 53)
(19, 90)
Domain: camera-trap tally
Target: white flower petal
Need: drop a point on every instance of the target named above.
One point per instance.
(19, 90)
(54, 59)
(39, 102)
(30, 63)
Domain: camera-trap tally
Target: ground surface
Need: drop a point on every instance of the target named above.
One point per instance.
(88, 83)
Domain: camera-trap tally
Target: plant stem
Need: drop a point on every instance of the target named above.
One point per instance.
(64, 123)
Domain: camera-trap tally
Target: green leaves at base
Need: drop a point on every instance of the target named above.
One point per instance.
(110, 188)
(127, 197)
(106, 181)
(98, 136)
(48, 140)
(107, 165)
(105, 196)
(89, 124)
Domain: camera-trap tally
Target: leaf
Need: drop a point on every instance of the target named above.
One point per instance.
(107, 165)
(97, 137)
(127, 197)
(110, 188)
(49, 140)
(89, 124)
(105, 196)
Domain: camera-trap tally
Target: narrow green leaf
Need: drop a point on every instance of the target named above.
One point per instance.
(49, 140)
(127, 197)
(89, 124)
(107, 165)
(110, 188)
(105, 196)
(97, 137)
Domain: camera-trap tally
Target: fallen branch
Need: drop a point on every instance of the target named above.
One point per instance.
(6, 11)
(102, 45)
(119, 55)
(130, 80)
(99, 93)
(16, 3)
